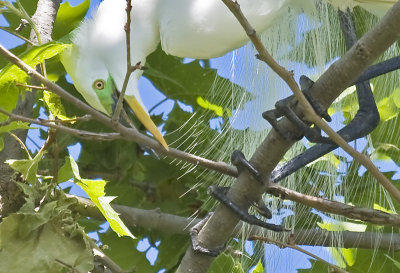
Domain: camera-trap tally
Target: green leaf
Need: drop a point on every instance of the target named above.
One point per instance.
(387, 109)
(9, 93)
(259, 268)
(33, 57)
(124, 252)
(65, 172)
(171, 250)
(347, 103)
(68, 18)
(14, 126)
(27, 167)
(12, 74)
(55, 106)
(34, 242)
(385, 139)
(374, 261)
(218, 110)
(95, 190)
(226, 263)
(396, 97)
(170, 76)
(74, 168)
(96, 193)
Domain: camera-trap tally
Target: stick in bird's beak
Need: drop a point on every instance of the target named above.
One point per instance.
(145, 119)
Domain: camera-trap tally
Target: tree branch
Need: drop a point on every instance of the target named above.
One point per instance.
(219, 227)
(129, 134)
(74, 132)
(172, 224)
(129, 67)
(367, 215)
(309, 113)
(10, 197)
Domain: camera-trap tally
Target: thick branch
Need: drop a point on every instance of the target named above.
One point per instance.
(172, 224)
(43, 19)
(10, 197)
(340, 75)
(309, 112)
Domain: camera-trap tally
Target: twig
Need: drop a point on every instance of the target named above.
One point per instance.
(74, 270)
(309, 112)
(72, 120)
(295, 247)
(26, 16)
(51, 137)
(128, 120)
(56, 158)
(368, 215)
(158, 104)
(31, 86)
(17, 35)
(129, 68)
(78, 133)
(107, 261)
(128, 133)
(22, 145)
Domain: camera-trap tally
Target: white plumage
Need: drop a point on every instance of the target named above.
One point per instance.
(196, 29)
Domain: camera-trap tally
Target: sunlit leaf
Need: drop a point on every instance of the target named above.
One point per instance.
(259, 268)
(11, 74)
(68, 18)
(55, 106)
(218, 110)
(387, 109)
(378, 207)
(96, 192)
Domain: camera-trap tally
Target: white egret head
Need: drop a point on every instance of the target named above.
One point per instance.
(100, 84)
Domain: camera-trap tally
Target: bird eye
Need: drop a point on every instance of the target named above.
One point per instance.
(99, 84)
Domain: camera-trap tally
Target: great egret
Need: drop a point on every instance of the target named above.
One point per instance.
(200, 29)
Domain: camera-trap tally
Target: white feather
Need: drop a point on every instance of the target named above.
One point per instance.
(196, 29)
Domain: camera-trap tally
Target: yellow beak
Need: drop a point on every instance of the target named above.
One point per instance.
(145, 119)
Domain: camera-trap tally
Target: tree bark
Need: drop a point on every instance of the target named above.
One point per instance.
(11, 198)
